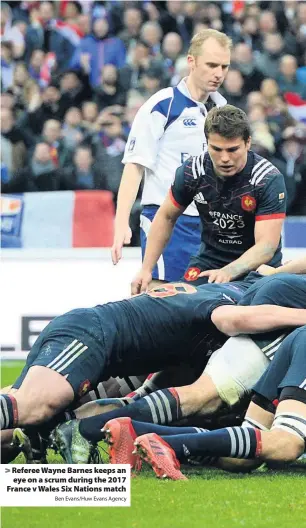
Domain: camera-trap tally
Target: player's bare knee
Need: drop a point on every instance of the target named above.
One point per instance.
(283, 447)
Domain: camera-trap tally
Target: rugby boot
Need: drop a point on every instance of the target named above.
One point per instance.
(74, 448)
(159, 455)
(120, 436)
(31, 444)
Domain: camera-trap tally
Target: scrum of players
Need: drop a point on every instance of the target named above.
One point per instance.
(225, 342)
(175, 325)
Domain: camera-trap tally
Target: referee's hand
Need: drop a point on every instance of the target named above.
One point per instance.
(141, 282)
(122, 236)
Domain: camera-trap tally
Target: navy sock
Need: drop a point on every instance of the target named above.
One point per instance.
(9, 412)
(142, 428)
(160, 407)
(236, 442)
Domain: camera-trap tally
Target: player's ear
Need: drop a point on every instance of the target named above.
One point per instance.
(248, 143)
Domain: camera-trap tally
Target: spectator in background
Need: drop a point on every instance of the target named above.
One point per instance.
(35, 64)
(132, 22)
(233, 89)
(7, 100)
(43, 34)
(14, 142)
(85, 173)
(111, 144)
(75, 88)
(152, 81)
(98, 49)
(249, 34)
(277, 114)
(84, 24)
(12, 32)
(7, 65)
(42, 107)
(175, 20)
(139, 61)
(71, 12)
(109, 92)
(244, 62)
(267, 61)
(172, 47)
(41, 174)
(22, 85)
(61, 155)
(262, 139)
(287, 79)
(151, 33)
(72, 132)
(89, 115)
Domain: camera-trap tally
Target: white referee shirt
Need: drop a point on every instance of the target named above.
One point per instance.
(167, 129)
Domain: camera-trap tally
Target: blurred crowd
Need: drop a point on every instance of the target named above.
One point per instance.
(74, 74)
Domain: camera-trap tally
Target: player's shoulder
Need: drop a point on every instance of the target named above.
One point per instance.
(196, 166)
(160, 102)
(262, 170)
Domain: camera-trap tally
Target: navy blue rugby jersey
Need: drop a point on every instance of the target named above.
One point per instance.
(229, 207)
(171, 321)
(283, 289)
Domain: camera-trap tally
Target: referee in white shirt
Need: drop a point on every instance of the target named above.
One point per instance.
(167, 129)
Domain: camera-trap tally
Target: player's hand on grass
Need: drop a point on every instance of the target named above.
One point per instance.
(141, 282)
(122, 236)
(264, 269)
(217, 275)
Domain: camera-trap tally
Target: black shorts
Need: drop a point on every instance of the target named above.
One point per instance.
(288, 368)
(73, 345)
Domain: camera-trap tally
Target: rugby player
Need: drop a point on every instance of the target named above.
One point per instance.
(167, 129)
(230, 373)
(85, 346)
(274, 429)
(241, 201)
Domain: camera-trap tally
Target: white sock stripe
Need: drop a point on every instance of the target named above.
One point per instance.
(247, 442)
(152, 408)
(79, 352)
(292, 423)
(66, 356)
(280, 338)
(250, 422)
(159, 406)
(101, 391)
(5, 412)
(167, 405)
(55, 360)
(233, 440)
(241, 442)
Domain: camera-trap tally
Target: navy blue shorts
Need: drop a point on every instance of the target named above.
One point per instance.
(288, 368)
(184, 242)
(72, 345)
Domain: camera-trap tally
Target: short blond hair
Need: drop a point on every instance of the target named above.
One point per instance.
(198, 39)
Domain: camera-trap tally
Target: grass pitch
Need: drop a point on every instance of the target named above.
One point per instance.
(211, 498)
